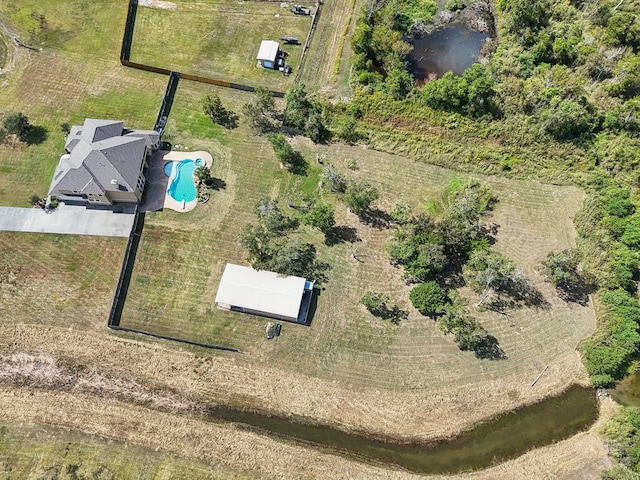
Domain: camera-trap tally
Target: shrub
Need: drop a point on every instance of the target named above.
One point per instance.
(561, 268)
(428, 298)
(618, 203)
(360, 195)
(337, 183)
(321, 217)
(378, 304)
(212, 106)
(375, 302)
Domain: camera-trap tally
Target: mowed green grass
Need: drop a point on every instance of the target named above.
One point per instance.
(28, 451)
(64, 280)
(218, 39)
(182, 256)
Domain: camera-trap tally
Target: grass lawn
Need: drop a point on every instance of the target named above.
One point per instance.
(182, 257)
(58, 279)
(218, 39)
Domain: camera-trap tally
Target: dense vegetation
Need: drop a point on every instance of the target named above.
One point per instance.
(623, 435)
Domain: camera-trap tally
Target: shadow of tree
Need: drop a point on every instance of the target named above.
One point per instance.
(216, 183)
(376, 218)
(341, 234)
(395, 315)
(575, 293)
(523, 292)
(35, 135)
(488, 348)
(231, 121)
(298, 165)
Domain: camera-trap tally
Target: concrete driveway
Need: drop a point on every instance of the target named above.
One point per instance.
(66, 219)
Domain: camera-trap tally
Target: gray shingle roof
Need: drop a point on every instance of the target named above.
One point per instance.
(114, 154)
(95, 130)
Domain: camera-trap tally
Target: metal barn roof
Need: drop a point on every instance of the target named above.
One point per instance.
(268, 50)
(260, 290)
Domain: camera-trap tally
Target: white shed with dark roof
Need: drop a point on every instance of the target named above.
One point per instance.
(264, 293)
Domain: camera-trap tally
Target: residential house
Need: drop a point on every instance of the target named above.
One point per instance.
(104, 164)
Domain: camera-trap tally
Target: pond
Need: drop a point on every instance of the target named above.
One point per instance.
(454, 47)
(494, 441)
(627, 391)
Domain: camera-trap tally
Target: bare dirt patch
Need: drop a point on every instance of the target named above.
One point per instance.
(157, 4)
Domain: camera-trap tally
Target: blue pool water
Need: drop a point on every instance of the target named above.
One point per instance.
(180, 174)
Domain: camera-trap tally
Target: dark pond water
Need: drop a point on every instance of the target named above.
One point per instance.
(454, 47)
(627, 391)
(497, 440)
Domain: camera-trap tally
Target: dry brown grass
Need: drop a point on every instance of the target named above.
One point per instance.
(229, 447)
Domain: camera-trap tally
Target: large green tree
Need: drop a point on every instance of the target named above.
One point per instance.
(17, 124)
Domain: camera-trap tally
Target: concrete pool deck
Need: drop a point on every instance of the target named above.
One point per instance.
(157, 196)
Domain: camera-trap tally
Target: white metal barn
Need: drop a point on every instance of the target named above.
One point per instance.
(263, 293)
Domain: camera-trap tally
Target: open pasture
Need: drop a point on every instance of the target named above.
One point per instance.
(218, 39)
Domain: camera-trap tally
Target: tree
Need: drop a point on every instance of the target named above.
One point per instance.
(398, 83)
(203, 173)
(561, 268)
(337, 183)
(569, 119)
(359, 196)
(17, 124)
(321, 216)
(285, 153)
(314, 127)
(486, 270)
(256, 239)
(261, 112)
(296, 257)
(297, 107)
(428, 298)
(272, 218)
(213, 108)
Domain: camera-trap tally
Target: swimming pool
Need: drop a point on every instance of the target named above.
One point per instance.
(180, 173)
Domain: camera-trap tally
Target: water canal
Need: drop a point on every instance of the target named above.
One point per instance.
(494, 441)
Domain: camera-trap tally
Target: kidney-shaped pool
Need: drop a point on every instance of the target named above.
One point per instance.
(180, 173)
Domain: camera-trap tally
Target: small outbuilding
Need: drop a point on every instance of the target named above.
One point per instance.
(268, 54)
(264, 293)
